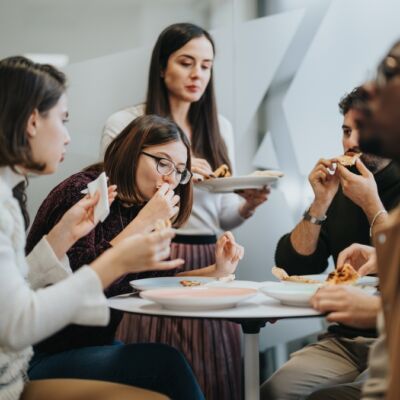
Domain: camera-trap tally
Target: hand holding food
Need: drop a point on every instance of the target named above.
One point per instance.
(201, 169)
(362, 257)
(164, 205)
(137, 253)
(360, 189)
(325, 183)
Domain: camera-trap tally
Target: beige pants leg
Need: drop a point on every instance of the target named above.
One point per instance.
(79, 389)
(328, 362)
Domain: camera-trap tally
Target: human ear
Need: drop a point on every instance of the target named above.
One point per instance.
(31, 126)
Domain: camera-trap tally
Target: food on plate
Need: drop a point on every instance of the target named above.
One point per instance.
(162, 224)
(222, 171)
(282, 275)
(188, 283)
(348, 159)
(267, 173)
(345, 274)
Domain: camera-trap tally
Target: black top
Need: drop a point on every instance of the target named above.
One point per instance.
(346, 224)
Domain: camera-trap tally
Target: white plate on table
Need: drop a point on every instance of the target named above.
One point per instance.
(168, 282)
(232, 183)
(199, 297)
(293, 295)
(362, 281)
(298, 295)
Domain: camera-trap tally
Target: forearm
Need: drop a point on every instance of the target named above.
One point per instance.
(106, 268)
(60, 241)
(305, 235)
(376, 213)
(137, 226)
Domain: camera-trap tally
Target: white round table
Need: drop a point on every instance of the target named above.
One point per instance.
(251, 314)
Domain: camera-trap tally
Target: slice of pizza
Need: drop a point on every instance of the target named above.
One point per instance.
(189, 283)
(282, 275)
(345, 274)
(222, 171)
(348, 159)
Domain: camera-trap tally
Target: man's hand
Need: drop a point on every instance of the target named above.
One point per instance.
(361, 257)
(324, 182)
(347, 305)
(361, 189)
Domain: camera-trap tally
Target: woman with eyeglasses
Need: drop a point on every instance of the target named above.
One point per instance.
(149, 162)
(180, 86)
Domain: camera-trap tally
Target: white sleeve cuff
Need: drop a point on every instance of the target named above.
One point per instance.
(45, 268)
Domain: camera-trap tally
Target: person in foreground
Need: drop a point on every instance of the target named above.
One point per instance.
(355, 202)
(33, 139)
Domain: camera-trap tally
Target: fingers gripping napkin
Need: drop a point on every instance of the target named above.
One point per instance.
(102, 208)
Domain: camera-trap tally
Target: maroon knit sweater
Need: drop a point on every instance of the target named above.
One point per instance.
(60, 199)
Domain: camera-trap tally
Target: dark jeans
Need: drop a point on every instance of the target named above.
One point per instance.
(151, 366)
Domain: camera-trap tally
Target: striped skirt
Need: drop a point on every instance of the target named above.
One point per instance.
(212, 347)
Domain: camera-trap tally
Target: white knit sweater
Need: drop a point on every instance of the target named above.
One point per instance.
(29, 312)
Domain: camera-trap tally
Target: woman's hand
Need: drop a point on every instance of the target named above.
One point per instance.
(137, 253)
(76, 223)
(162, 206)
(201, 169)
(361, 257)
(254, 198)
(227, 255)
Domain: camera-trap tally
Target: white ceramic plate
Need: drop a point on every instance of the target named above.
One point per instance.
(227, 185)
(199, 297)
(298, 295)
(362, 281)
(291, 295)
(167, 282)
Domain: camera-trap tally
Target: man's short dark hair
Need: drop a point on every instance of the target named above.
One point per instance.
(355, 99)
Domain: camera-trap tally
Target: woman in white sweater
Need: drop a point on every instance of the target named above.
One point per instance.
(180, 87)
(33, 111)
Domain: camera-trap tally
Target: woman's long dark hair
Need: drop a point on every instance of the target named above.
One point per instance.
(25, 86)
(122, 155)
(207, 141)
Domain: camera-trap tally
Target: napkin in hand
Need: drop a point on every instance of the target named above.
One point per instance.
(102, 208)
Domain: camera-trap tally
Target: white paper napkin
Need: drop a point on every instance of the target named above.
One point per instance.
(102, 208)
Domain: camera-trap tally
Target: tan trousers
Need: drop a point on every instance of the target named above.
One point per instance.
(330, 361)
(79, 389)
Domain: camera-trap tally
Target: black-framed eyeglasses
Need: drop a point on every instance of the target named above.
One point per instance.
(167, 167)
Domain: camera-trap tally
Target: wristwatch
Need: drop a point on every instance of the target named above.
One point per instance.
(312, 219)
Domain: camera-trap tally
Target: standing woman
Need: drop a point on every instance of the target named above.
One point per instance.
(180, 87)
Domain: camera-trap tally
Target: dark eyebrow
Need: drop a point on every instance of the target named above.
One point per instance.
(192, 58)
(167, 156)
(346, 127)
